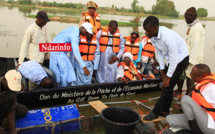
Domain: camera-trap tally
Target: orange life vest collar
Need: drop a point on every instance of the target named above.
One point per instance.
(198, 97)
(148, 49)
(104, 40)
(87, 50)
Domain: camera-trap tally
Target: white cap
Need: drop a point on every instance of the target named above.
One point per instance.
(88, 27)
(127, 54)
(14, 79)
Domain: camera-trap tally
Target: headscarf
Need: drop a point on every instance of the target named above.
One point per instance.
(127, 54)
(191, 11)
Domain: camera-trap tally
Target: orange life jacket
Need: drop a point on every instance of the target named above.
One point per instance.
(128, 70)
(87, 50)
(198, 97)
(132, 49)
(149, 49)
(104, 40)
(94, 22)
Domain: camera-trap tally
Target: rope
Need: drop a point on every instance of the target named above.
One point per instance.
(53, 127)
(54, 124)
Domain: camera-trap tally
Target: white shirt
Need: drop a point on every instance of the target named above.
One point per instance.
(30, 43)
(209, 94)
(170, 46)
(195, 42)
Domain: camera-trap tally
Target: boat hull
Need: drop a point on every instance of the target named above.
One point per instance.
(74, 94)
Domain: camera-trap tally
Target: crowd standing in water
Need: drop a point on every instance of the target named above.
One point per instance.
(103, 53)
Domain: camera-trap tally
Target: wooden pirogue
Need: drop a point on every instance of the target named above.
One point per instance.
(68, 95)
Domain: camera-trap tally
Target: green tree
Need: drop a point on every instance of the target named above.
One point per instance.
(165, 8)
(10, 1)
(113, 6)
(24, 2)
(136, 8)
(202, 12)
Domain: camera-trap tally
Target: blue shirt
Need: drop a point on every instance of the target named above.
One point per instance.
(33, 71)
(71, 35)
(171, 47)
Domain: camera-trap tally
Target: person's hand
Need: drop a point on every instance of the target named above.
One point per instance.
(163, 75)
(113, 59)
(145, 76)
(86, 71)
(139, 65)
(166, 81)
(18, 66)
(137, 77)
(123, 80)
(148, 77)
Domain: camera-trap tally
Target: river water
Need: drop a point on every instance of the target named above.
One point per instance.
(14, 23)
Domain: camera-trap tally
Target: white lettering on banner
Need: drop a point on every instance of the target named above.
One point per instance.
(129, 93)
(127, 88)
(150, 85)
(55, 96)
(88, 92)
(81, 99)
(70, 101)
(119, 89)
(71, 94)
(93, 98)
(122, 94)
(44, 97)
(135, 88)
(103, 91)
(104, 97)
(113, 95)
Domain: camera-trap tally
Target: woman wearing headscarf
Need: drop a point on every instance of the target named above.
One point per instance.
(127, 71)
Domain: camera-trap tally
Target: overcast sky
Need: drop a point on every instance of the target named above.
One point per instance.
(181, 5)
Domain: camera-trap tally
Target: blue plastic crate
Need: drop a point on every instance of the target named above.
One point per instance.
(44, 121)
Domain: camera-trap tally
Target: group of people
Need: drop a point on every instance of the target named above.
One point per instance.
(198, 104)
(96, 51)
(104, 53)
